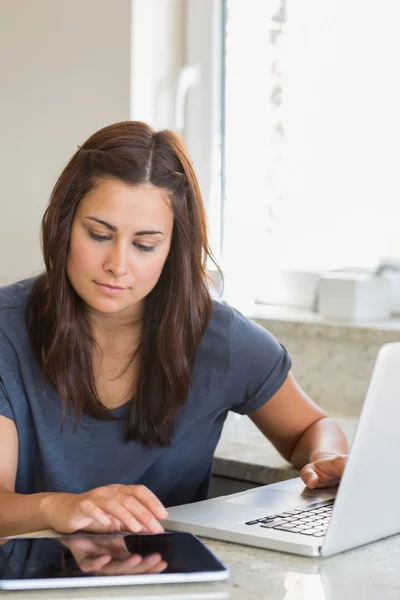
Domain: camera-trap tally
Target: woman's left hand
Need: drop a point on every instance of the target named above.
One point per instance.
(324, 470)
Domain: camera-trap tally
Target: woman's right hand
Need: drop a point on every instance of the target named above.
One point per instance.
(106, 509)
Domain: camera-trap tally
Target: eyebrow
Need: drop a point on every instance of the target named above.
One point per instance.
(114, 228)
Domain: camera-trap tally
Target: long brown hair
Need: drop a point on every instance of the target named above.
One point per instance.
(177, 310)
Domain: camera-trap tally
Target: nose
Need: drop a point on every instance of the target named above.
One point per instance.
(116, 261)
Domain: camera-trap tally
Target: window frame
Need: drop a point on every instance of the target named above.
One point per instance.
(203, 130)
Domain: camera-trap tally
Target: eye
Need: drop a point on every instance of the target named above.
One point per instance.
(99, 238)
(143, 248)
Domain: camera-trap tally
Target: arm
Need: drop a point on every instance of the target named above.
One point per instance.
(303, 434)
(18, 513)
(102, 510)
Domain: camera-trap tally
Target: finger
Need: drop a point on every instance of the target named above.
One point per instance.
(116, 524)
(309, 476)
(330, 467)
(335, 467)
(328, 482)
(330, 471)
(148, 562)
(151, 559)
(113, 544)
(124, 567)
(117, 552)
(94, 564)
(158, 568)
(87, 508)
(141, 513)
(117, 510)
(147, 498)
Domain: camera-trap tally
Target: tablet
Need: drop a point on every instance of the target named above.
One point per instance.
(86, 560)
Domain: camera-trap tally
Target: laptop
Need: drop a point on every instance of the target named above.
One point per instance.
(290, 517)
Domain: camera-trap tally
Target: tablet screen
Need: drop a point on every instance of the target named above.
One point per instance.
(86, 559)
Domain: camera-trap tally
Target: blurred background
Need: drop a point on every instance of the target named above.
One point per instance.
(289, 110)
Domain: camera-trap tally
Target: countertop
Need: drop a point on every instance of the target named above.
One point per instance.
(367, 573)
(303, 323)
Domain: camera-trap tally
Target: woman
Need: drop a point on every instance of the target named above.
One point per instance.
(117, 370)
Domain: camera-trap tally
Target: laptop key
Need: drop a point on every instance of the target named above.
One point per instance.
(302, 521)
(310, 531)
(273, 524)
(251, 522)
(285, 528)
(266, 520)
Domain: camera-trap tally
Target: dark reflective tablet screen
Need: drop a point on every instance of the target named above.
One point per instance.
(91, 556)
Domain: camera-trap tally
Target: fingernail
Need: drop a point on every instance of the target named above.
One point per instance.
(135, 526)
(162, 512)
(105, 520)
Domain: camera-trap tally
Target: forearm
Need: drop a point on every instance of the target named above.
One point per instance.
(22, 513)
(321, 439)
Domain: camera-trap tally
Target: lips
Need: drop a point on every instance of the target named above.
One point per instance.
(111, 287)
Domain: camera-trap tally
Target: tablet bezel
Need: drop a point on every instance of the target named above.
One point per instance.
(116, 580)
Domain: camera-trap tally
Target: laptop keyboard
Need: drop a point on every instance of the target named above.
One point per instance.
(311, 520)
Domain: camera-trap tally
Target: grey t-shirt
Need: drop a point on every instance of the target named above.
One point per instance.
(239, 367)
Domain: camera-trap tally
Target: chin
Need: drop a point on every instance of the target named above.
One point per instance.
(106, 307)
(110, 310)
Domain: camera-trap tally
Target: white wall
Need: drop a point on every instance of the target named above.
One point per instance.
(64, 73)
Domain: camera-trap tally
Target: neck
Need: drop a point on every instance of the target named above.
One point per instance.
(115, 330)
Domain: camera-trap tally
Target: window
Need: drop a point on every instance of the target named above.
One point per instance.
(310, 130)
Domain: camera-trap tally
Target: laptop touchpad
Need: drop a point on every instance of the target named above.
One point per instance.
(271, 498)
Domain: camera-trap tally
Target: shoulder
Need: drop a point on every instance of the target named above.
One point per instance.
(223, 326)
(13, 301)
(15, 295)
(15, 349)
(222, 319)
(233, 336)
(256, 363)
(230, 324)
(214, 349)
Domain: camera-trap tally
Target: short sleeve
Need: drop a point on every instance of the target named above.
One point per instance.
(5, 406)
(259, 365)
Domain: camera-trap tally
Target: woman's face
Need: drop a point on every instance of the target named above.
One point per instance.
(120, 237)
